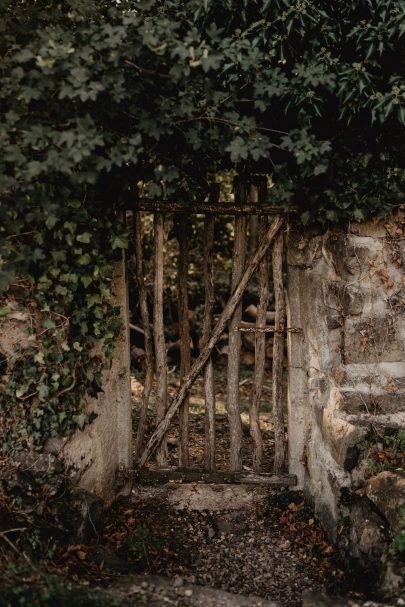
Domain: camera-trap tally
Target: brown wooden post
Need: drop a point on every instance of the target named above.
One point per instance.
(143, 308)
(184, 330)
(234, 343)
(159, 334)
(160, 432)
(278, 354)
(209, 388)
(260, 341)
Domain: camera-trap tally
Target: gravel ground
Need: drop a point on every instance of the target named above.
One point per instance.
(274, 549)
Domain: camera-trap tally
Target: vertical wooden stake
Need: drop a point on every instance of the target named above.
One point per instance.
(238, 262)
(184, 329)
(260, 343)
(209, 390)
(143, 307)
(198, 365)
(159, 335)
(278, 354)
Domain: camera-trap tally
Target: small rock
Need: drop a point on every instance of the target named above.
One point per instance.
(100, 554)
(188, 592)
(178, 581)
(387, 491)
(211, 532)
(80, 513)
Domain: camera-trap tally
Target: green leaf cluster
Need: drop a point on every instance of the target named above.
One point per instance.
(98, 97)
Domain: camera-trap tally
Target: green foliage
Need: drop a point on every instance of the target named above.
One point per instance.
(67, 291)
(364, 443)
(396, 442)
(399, 539)
(98, 96)
(140, 542)
(31, 587)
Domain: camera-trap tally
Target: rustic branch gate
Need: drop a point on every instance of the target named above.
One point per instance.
(250, 199)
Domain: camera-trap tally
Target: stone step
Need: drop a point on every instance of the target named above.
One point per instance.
(317, 599)
(156, 476)
(377, 375)
(371, 400)
(174, 592)
(371, 389)
(393, 421)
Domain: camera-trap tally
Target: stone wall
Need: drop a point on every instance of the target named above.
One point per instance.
(95, 456)
(346, 350)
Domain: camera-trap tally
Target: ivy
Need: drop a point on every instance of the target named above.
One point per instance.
(73, 324)
(97, 97)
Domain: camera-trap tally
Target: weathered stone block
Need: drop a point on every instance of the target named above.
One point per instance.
(80, 513)
(370, 229)
(95, 455)
(372, 340)
(372, 402)
(388, 421)
(341, 436)
(389, 376)
(387, 491)
(348, 371)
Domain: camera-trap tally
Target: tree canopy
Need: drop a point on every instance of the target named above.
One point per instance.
(97, 96)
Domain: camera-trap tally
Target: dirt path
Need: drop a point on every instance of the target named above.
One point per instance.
(197, 424)
(235, 538)
(243, 540)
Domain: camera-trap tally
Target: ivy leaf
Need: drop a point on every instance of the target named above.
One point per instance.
(237, 149)
(305, 217)
(39, 358)
(119, 242)
(84, 260)
(85, 237)
(51, 221)
(86, 280)
(358, 214)
(43, 392)
(80, 420)
(61, 290)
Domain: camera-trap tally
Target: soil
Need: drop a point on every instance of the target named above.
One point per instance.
(275, 550)
(269, 545)
(197, 424)
(272, 547)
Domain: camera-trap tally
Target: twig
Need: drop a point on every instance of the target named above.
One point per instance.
(18, 235)
(146, 555)
(69, 388)
(24, 398)
(3, 534)
(144, 70)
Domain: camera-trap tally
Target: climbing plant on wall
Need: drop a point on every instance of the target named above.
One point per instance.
(97, 96)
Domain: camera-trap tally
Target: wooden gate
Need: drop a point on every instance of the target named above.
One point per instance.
(250, 199)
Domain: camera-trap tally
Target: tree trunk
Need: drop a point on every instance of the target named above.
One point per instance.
(278, 355)
(184, 330)
(160, 432)
(143, 307)
(159, 335)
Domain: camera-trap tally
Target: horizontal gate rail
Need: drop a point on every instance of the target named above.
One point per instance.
(197, 208)
(194, 475)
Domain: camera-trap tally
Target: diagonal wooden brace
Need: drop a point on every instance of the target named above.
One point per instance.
(205, 353)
